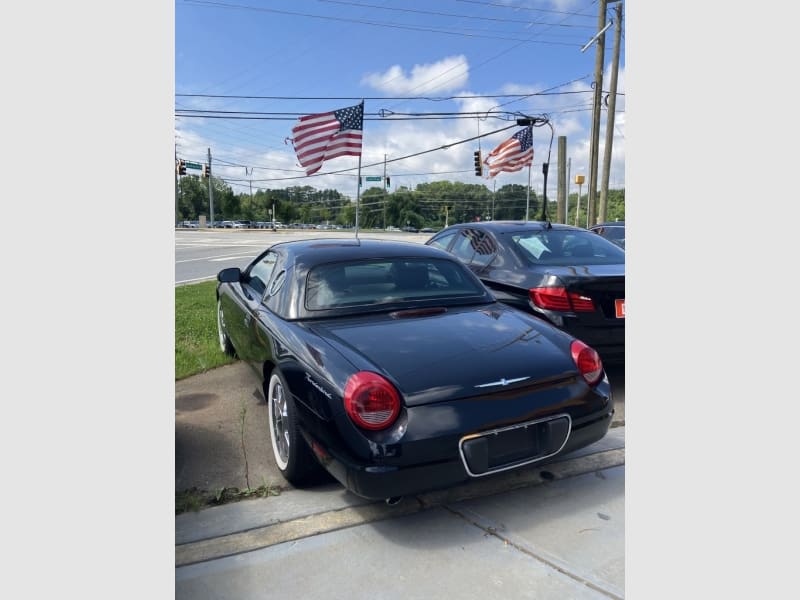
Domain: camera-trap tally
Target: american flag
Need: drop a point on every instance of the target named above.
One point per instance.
(320, 137)
(513, 154)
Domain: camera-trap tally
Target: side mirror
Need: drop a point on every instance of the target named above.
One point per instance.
(229, 275)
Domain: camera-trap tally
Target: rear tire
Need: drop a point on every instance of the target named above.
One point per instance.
(224, 341)
(294, 458)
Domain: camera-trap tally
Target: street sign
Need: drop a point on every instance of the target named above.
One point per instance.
(191, 165)
(368, 178)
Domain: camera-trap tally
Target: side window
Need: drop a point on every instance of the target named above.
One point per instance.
(442, 242)
(260, 272)
(464, 248)
(485, 248)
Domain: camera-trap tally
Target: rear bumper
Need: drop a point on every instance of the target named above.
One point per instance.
(382, 481)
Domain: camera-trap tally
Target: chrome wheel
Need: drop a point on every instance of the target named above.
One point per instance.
(224, 341)
(279, 422)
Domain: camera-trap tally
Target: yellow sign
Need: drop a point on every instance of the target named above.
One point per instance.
(579, 179)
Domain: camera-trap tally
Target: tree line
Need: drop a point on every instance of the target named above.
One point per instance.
(428, 205)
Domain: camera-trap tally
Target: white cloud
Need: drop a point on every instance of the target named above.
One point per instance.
(448, 74)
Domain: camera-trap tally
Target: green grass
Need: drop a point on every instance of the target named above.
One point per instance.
(196, 344)
(193, 500)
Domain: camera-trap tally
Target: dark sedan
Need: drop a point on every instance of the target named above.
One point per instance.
(390, 365)
(573, 278)
(613, 231)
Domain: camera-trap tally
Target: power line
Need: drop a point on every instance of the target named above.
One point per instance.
(517, 7)
(373, 23)
(434, 99)
(459, 16)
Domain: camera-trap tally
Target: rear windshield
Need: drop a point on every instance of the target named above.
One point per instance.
(389, 281)
(566, 247)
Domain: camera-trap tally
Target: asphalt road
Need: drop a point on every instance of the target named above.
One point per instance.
(201, 253)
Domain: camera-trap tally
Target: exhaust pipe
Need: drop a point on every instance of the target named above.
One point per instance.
(393, 501)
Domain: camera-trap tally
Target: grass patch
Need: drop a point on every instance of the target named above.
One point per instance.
(193, 500)
(196, 343)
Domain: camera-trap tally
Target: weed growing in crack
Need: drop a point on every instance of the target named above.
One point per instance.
(242, 418)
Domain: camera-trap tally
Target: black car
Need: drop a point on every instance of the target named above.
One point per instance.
(391, 366)
(569, 276)
(613, 231)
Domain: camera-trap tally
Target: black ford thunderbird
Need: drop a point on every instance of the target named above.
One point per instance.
(390, 365)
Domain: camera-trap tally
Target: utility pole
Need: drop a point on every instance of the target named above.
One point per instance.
(561, 182)
(210, 190)
(594, 147)
(569, 181)
(177, 217)
(384, 192)
(612, 106)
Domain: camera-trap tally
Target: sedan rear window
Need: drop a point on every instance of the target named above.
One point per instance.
(388, 281)
(566, 247)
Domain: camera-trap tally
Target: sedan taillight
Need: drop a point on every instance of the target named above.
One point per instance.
(558, 298)
(588, 362)
(371, 401)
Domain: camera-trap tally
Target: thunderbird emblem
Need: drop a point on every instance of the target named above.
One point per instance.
(503, 382)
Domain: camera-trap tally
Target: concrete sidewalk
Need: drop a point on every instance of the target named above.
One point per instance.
(551, 531)
(554, 532)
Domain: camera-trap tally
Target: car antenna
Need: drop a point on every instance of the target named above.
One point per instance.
(548, 224)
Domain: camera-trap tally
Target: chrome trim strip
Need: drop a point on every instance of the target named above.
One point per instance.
(472, 436)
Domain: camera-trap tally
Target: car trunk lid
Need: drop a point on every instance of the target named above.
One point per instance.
(435, 355)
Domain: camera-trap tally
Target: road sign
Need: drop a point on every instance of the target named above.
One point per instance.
(368, 178)
(191, 165)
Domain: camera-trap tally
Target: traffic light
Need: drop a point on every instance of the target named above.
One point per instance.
(478, 163)
(181, 167)
(388, 182)
(206, 171)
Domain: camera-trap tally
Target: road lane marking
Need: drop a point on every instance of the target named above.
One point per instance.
(209, 278)
(223, 257)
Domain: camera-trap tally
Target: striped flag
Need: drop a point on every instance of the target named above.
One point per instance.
(318, 138)
(513, 154)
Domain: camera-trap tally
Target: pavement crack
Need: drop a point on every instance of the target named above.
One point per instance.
(495, 532)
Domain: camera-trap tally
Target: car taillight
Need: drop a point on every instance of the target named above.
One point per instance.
(588, 362)
(558, 298)
(371, 401)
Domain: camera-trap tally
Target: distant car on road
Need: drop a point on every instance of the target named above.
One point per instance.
(391, 366)
(613, 231)
(566, 275)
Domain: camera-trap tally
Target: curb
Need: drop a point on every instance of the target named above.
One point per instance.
(314, 524)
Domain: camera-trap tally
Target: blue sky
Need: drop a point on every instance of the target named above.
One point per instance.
(404, 57)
